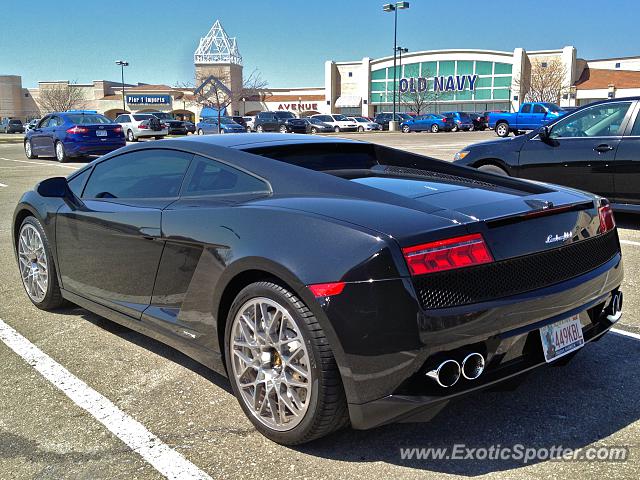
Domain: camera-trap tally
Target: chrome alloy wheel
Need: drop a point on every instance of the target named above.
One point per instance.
(270, 364)
(34, 267)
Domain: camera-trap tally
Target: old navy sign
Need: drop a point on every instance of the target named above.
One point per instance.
(149, 99)
(452, 83)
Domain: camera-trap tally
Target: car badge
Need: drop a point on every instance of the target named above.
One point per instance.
(558, 238)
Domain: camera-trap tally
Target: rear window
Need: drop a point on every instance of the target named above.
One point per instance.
(142, 117)
(15, 122)
(322, 157)
(285, 115)
(87, 119)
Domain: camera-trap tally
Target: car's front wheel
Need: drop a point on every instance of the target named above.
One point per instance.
(490, 168)
(406, 129)
(28, 150)
(283, 129)
(200, 132)
(259, 129)
(361, 129)
(36, 266)
(281, 367)
(314, 130)
(336, 129)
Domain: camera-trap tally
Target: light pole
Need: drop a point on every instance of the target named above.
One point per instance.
(244, 106)
(400, 51)
(123, 64)
(394, 7)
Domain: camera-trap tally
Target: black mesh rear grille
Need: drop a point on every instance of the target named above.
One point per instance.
(514, 275)
(446, 177)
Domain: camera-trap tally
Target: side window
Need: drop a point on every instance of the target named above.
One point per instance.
(121, 119)
(77, 182)
(538, 109)
(43, 122)
(208, 177)
(526, 108)
(152, 173)
(602, 120)
(636, 127)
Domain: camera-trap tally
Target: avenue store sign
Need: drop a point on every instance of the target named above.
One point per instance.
(149, 99)
(452, 83)
(298, 107)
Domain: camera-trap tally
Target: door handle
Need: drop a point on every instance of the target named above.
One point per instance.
(603, 148)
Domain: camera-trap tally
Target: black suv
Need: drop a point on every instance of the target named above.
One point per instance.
(11, 125)
(383, 119)
(272, 121)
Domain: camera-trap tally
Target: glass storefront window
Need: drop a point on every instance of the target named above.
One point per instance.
(428, 69)
(378, 98)
(379, 74)
(390, 72)
(447, 67)
(483, 82)
(502, 81)
(483, 94)
(464, 67)
(411, 70)
(466, 95)
(501, 94)
(378, 86)
(484, 68)
(503, 68)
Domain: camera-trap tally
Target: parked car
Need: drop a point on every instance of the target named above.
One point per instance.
(11, 125)
(190, 126)
(30, 125)
(339, 122)
(317, 126)
(210, 125)
(364, 124)
(531, 116)
(141, 125)
(432, 122)
(595, 148)
(333, 285)
(272, 121)
(294, 125)
(240, 121)
(249, 121)
(461, 121)
(384, 118)
(479, 121)
(65, 135)
(174, 127)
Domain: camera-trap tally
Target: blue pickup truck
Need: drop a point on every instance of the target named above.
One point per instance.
(532, 115)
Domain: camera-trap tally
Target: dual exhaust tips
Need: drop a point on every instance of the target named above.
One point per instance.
(449, 372)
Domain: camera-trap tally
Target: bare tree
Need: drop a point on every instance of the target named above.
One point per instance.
(420, 97)
(217, 91)
(545, 82)
(60, 97)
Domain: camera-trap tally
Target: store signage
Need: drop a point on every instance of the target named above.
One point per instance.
(299, 107)
(149, 99)
(452, 83)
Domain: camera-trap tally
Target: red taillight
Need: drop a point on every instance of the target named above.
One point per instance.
(143, 126)
(448, 254)
(117, 130)
(77, 129)
(327, 289)
(607, 222)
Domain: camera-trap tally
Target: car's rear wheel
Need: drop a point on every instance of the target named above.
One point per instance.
(454, 128)
(502, 129)
(248, 129)
(283, 129)
(472, 128)
(260, 129)
(35, 262)
(493, 169)
(281, 368)
(406, 129)
(28, 150)
(200, 132)
(336, 129)
(61, 154)
(130, 136)
(435, 128)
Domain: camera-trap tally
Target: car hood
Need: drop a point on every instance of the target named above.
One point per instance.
(506, 143)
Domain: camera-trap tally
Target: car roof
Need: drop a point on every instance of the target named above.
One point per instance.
(245, 141)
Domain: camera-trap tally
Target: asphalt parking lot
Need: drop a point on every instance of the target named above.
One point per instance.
(593, 401)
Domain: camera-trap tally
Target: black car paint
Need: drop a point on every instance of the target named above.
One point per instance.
(204, 248)
(613, 172)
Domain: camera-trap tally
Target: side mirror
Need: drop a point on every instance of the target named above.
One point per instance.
(544, 133)
(56, 187)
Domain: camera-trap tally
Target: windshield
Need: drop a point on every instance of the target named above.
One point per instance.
(340, 118)
(86, 119)
(315, 120)
(227, 121)
(361, 120)
(404, 116)
(552, 107)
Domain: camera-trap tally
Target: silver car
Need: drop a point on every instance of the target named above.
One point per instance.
(364, 124)
(141, 125)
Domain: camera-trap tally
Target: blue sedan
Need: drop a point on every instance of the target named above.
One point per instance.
(210, 125)
(64, 135)
(431, 122)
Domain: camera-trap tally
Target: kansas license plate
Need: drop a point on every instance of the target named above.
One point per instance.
(561, 338)
(101, 133)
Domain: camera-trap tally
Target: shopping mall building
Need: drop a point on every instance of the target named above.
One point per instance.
(457, 79)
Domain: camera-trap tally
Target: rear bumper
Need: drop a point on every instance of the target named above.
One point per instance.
(384, 348)
(79, 148)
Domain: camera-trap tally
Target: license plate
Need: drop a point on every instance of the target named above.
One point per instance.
(101, 133)
(561, 338)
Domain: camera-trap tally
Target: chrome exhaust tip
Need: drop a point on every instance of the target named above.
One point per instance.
(472, 366)
(446, 374)
(615, 308)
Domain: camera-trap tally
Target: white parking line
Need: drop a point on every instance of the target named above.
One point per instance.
(630, 242)
(52, 164)
(625, 333)
(2, 185)
(163, 458)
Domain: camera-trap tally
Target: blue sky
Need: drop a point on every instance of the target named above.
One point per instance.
(288, 41)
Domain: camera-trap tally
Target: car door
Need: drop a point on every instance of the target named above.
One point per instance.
(196, 251)
(109, 245)
(580, 150)
(51, 134)
(525, 117)
(38, 135)
(626, 170)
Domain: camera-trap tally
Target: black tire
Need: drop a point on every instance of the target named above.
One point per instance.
(61, 154)
(200, 132)
(160, 137)
(131, 137)
(283, 129)
(336, 129)
(454, 128)
(28, 151)
(314, 130)
(472, 128)
(53, 297)
(361, 129)
(327, 411)
(435, 128)
(259, 129)
(406, 129)
(248, 129)
(496, 170)
(502, 129)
